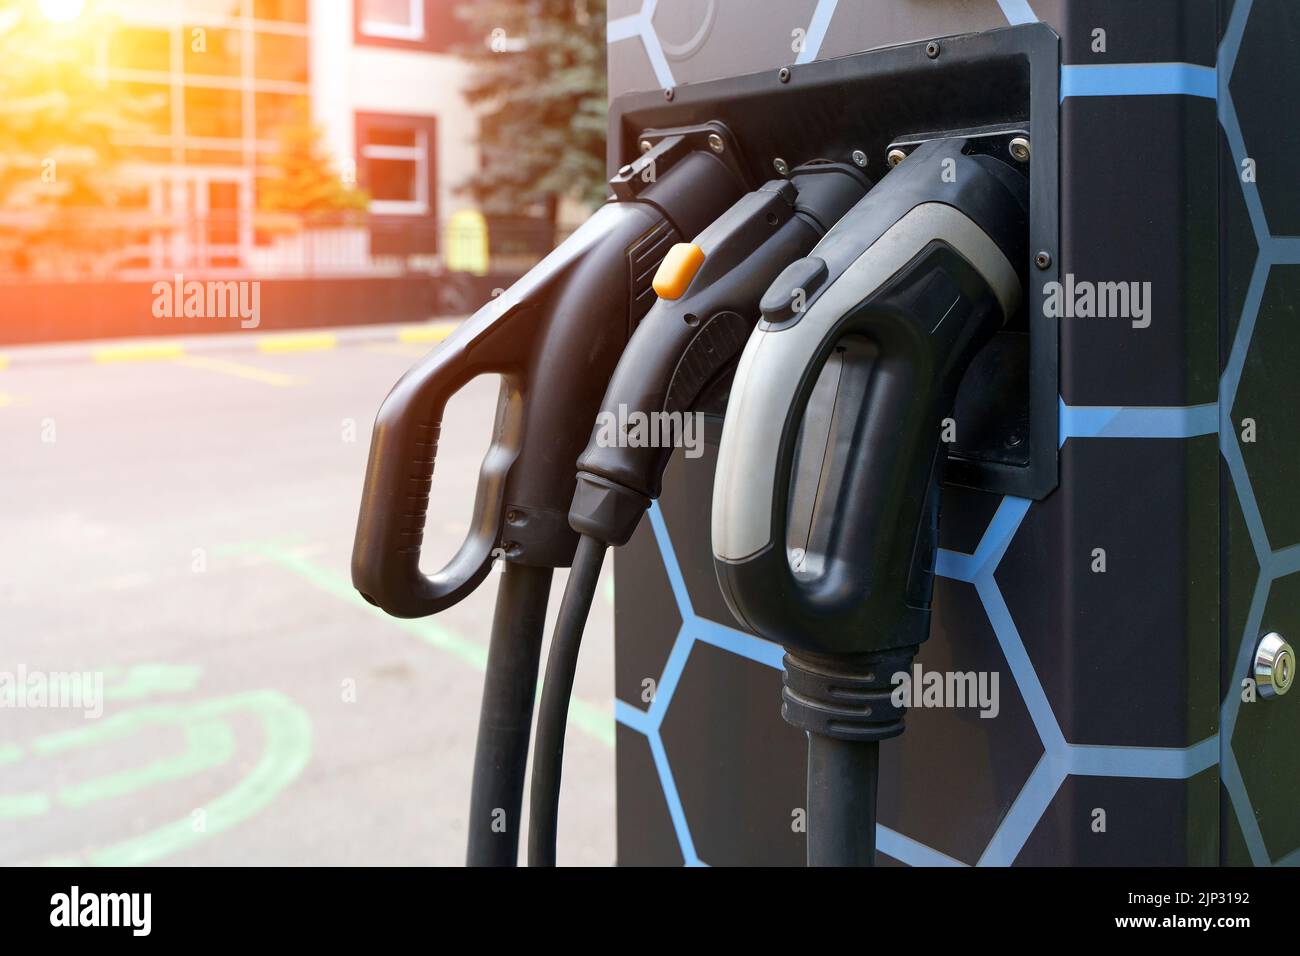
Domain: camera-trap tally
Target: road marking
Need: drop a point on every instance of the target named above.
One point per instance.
(148, 352)
(240, 370)
(287, 747)
(311, 342)
(427, 333)
(595, 721)
(146, 680)
(265, 342)
(23, 805)
(208, 744)
(125, 582)
(413, 351)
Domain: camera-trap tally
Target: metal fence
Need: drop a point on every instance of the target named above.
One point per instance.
(96, 244)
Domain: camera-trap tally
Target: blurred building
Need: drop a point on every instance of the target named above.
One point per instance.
(225, 79)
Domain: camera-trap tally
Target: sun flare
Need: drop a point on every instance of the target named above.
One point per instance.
(61, 11)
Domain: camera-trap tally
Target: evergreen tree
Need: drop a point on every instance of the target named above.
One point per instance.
(60, 122)
(539, 81)
(306, 181)
(61, 130)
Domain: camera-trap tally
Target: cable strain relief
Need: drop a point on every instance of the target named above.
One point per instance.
(848, 698)
(606, 511)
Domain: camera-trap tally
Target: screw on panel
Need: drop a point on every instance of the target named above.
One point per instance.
(1043, 259)
(894, 157)
(715, 143)
(783, 74)
(932, 49)
(646, 145)
(781, 166)
(669, 94)
(860, 158)
(1019, 148)
(1274, 666)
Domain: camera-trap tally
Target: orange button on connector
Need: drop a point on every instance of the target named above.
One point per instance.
(678, 269)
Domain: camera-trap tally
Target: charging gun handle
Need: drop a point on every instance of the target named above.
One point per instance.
(910, 311)
(502, 339)
(395, 502)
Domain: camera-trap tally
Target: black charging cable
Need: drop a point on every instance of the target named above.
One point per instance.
(553, 712)
(842, 776)
(846, 707)
(506, 718)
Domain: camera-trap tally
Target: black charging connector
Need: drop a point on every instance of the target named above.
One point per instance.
(709, 292)
(897, 300)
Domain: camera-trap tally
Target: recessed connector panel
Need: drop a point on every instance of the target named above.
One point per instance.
(1000, 89)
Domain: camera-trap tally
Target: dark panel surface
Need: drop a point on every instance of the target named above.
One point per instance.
(1126, 655)
(1139, 206)
(645, 830)
(744, 767)
(1266, 90)
(1265, 741)
(1152, 31)
(1269, 396)
(645, 617)
(949, 750)
(1147, 823)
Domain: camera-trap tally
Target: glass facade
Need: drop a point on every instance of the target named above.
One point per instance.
(215, 83)
(219, 77)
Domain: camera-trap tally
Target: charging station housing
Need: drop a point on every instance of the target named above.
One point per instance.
(1118, 528)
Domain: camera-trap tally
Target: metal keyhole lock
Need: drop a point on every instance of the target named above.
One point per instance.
(1275, 666)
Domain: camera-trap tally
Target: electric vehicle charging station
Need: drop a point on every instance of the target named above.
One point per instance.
(1112, 545)
(1075, 497)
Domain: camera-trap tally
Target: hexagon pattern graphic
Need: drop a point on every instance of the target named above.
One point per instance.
(1060, 758)
(1274, 563)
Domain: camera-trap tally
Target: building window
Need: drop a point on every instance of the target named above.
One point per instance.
(291, 11)
(282, 57)
(213, 113)
(432, 26)
(395, 163)
(215, 82)
(225, 88)
(392, 19)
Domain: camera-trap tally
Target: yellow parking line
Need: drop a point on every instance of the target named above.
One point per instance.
(393, 348)
(148, 352)
(411, 335)
(297, 343)
(434, 332)
(239, 370)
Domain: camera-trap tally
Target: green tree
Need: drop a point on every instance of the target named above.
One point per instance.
(61, 122)
(306, 182)
(63, 191)
(539, 81)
